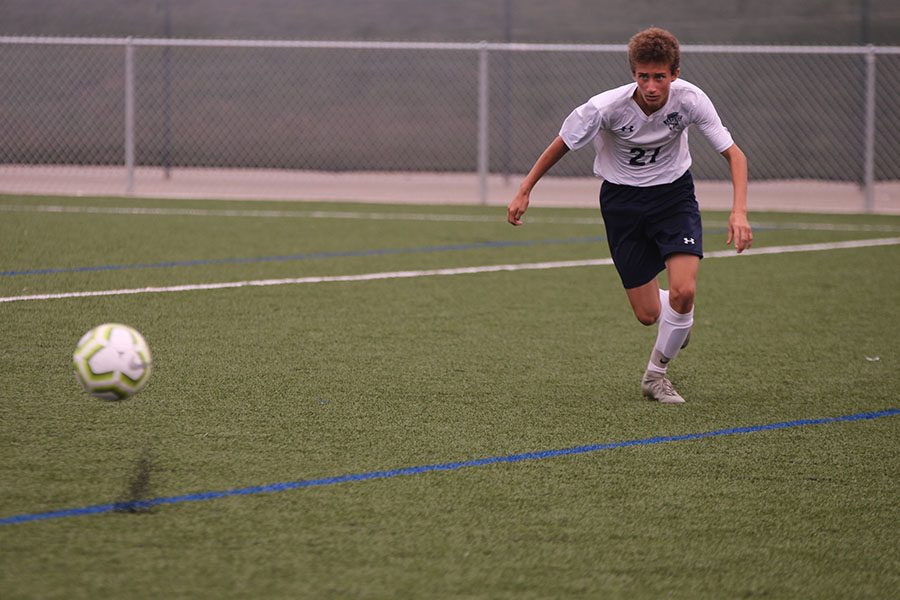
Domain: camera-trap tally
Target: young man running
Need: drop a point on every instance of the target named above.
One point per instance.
(639, 132)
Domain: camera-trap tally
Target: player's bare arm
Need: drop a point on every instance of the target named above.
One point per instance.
(739, 230)
(549, 157)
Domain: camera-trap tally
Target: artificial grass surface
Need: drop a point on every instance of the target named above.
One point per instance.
(265, 385)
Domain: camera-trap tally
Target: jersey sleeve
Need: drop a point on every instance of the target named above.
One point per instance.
(581, 126)
(707, 119)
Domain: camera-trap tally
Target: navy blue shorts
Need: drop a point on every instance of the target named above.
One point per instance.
(645, 225)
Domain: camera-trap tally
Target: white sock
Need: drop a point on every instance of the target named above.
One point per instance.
(674, 328)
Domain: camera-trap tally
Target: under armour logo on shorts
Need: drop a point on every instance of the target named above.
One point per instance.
(689, 241)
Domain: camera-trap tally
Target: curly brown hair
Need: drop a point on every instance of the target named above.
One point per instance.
(654, 45)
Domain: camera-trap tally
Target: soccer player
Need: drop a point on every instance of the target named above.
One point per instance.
(639, 133)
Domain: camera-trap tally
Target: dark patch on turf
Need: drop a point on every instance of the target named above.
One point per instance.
(137, 495)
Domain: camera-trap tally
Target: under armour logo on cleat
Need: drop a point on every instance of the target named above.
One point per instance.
(689, 241)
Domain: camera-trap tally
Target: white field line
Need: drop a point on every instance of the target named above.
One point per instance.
(398, 216)
(436, 272)
(815, 226)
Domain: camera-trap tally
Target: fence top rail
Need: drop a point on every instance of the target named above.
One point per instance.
(470, 46)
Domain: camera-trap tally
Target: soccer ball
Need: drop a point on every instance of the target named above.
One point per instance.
(112, 361)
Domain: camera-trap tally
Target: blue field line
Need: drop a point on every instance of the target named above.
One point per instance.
(315, 255)
(272, 488)
(309, 256)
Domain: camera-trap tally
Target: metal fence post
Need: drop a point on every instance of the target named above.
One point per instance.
(167, 92)
(483, 115)
(129, 116)
(869, 151)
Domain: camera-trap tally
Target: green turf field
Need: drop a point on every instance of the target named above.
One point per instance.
(273, 384)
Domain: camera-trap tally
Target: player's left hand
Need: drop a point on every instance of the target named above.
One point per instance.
(739, 232)
(517, 208)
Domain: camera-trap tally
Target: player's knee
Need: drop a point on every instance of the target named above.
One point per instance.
(646, 317)
(681, 297)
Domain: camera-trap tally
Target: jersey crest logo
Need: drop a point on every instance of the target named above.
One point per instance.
(673, 120)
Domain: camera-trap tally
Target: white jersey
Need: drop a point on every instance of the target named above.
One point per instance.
(640, 150)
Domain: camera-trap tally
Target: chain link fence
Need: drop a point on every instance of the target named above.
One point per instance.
(817, 113)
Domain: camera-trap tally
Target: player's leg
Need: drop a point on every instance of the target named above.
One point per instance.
(645, 301)
(682, 269)
(638, 260)
(650, 305)
(678, 233)
(677, 312)
(675, 322)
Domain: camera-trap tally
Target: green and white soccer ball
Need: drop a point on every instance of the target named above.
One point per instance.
(112, 361)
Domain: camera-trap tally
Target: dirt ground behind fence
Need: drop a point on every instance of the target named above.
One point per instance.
(414, 188)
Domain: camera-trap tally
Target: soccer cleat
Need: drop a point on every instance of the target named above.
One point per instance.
(656, 386)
